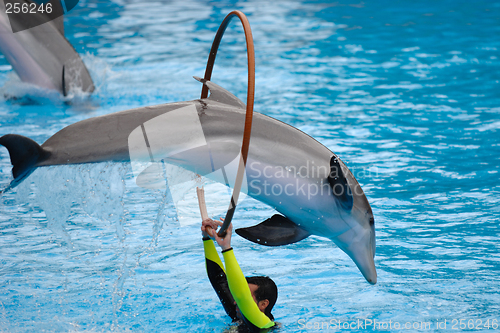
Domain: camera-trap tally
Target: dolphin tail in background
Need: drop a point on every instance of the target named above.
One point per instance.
(41, 55)
(24, 155)
(76, 75)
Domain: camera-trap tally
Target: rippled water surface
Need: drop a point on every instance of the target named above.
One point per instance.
(406, 93)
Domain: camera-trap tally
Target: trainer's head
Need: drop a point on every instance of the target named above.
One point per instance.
(264, 292)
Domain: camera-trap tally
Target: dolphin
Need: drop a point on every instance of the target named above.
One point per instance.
(311, 188)
(43, 56)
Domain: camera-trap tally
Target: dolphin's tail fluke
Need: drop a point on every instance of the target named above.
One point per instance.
(24, 155)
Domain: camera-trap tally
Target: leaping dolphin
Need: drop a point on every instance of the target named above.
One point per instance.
(287, 169)
(43, 56)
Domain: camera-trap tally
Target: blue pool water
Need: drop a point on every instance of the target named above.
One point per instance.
(404, 92)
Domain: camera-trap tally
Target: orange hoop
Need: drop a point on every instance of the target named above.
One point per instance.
(250, 100)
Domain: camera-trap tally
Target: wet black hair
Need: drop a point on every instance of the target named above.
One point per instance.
(266, 290)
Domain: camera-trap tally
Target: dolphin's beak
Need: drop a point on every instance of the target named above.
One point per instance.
(359, 244)
(366, 264)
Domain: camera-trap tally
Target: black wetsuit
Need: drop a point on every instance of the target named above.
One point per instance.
(234, 283)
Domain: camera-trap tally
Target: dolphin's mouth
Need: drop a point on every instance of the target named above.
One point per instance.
(359, 244)
(366, 265)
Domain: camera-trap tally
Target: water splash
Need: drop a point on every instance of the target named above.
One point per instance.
(118, 293)
(24, 93)
(97, 189)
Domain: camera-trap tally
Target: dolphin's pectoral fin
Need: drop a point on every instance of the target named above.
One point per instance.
(24, 154)
(338, 182)
(221, 95)
(275, 231)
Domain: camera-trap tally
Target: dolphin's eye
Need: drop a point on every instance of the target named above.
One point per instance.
(372, 221)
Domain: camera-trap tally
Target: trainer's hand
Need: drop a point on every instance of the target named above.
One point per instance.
(224, 243)
(208, 228)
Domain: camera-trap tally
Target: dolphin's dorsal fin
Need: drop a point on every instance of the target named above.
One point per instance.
(221, 95)
(275, 231)
(338, 182)
(65, 85)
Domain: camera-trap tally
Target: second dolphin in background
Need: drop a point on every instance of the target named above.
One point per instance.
(43, 56)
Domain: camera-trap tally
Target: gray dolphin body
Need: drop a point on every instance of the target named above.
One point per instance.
(43, 56)
(286, 168)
